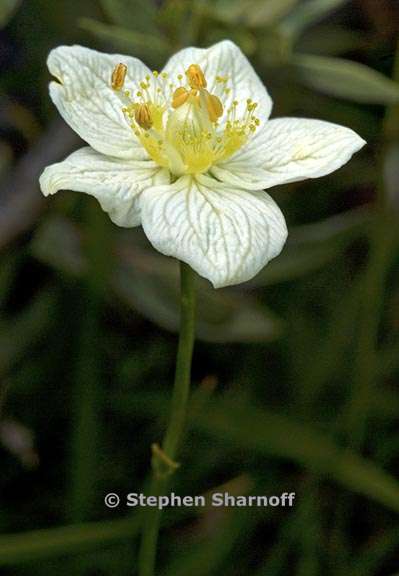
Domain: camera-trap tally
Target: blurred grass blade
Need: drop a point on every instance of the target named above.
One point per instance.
(148, 283)
(338, 229)
(207, 557)
(331, 40)
(391, 176)
(42, 544)
(306, 513)
(18, 335)
(137, 15)
(271, 434)
(253, 13)
(267, 12)
(8, 273)
(137, 43)
(307, 13)
(374, 553)
(313, 246)
(221, 316)
(6, 157)
(87, 391)
(345, 79)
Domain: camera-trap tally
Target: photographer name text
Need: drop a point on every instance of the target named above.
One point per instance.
(216, 500)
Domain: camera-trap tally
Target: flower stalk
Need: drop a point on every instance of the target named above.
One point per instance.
(163, 458)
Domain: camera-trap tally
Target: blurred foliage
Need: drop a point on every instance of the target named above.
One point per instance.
(295, 372)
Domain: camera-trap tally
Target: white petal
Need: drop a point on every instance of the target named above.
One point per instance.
(225, 59)
(117, 184)
(290, 149)
(86, 101)
(227, 235)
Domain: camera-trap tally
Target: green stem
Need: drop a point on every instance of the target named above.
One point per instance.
(163, 458)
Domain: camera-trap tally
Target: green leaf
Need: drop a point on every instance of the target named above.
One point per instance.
(271, 434)
(307, 13)
(137, 15)
(48, 543)
(138, 43)
(345, 79)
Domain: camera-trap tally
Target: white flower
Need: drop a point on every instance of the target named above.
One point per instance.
(188, 152)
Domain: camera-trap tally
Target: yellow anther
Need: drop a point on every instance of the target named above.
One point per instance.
(195, 77)
(142, 116)
(155, 73)
(143, 85)
(214, 106)
(164, 74)
(180, 96)
(180, 76)
(118, 76)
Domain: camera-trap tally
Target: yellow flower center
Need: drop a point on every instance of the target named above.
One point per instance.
(184, 126)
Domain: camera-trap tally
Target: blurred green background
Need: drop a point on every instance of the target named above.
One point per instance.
(295, 373)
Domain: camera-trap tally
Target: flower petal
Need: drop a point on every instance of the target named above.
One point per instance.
(117, 184)
(225, 59)
(227, 235)
(288, 150)
(86, 101)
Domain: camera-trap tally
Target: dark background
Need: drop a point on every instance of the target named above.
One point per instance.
(295, 373)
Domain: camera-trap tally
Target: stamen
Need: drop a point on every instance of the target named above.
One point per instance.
(214, 106)
(195, 77)
(142, 116)
(118, 76)
(179, 122)
(180, 96)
